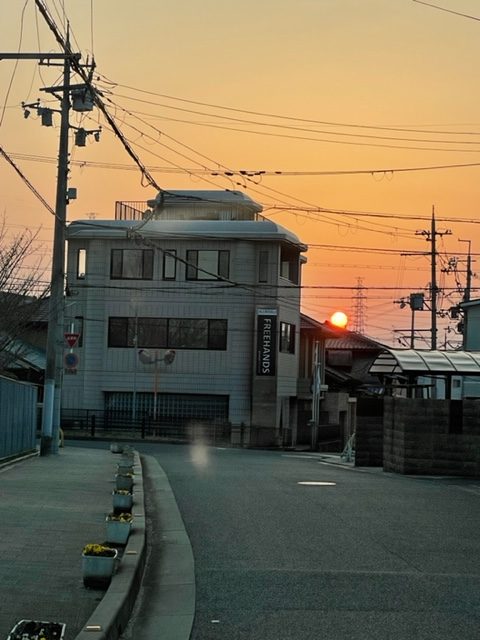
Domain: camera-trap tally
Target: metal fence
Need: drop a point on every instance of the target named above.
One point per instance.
(18, 417)
(119, 424)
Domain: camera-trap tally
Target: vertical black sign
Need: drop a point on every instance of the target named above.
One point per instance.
(266, 344)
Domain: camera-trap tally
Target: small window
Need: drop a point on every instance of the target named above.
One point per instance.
(263, 266)
(78, 328)
(169, 264)
(131, 264)
(81, 263)
(287, 337)
(289, 264)
(207, 265)
(217, 334)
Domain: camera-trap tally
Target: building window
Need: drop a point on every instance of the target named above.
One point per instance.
(287, 337)
(289, 264)
(121, 332)
(217, 334)
(263, 266)
(81, 263)
(131, 264)
(168, 333)
(151, 332)
(207, 265)
(169, 264)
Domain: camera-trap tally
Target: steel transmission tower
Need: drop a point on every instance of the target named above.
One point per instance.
(359, 307)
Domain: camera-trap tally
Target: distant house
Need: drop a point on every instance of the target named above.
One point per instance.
(471, 342)
(333, 375)
(348, 360)
(23, 342)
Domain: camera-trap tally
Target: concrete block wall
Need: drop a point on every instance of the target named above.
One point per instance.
(369, 432)
(369, 441)
(419, 439)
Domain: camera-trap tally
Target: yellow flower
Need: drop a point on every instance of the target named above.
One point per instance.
(95, 549)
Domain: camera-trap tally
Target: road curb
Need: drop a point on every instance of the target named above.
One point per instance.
(17, 458)
(110, 618)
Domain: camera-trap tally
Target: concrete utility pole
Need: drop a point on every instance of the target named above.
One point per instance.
(431, 236)
(468, 285)
(55, 338)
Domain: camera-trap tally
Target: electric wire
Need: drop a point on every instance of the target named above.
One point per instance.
(15, 66)
(27, 182)
(283, 117)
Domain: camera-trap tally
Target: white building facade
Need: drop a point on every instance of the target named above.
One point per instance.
(203, 277)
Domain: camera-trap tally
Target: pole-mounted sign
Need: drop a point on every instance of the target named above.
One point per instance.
(71, 339)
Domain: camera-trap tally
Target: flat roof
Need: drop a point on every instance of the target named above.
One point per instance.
(177, 229)
(172, 198)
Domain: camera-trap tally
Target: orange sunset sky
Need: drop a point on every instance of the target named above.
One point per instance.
(362, 114)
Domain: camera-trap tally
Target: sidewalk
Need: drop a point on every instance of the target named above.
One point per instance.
(51, 507)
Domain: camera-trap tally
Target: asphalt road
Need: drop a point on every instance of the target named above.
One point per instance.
(374, 556)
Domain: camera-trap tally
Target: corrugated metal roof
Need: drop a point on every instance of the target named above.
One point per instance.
(353, 341)
(396, 361)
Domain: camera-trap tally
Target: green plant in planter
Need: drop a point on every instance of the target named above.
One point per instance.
(37, 630)
(95, 549)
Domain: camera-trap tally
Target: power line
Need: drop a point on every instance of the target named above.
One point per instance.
(457, 13)
(291, 118)
(300, 129)
(27, 182)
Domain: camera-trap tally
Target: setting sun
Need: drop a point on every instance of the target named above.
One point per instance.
(339, 319)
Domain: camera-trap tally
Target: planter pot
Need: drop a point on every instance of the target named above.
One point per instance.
(122, 502)
(98, 570)
(118, 531)
(123, 482)
(124, 468)
(33, 629)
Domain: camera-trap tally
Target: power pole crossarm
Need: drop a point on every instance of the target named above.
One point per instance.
(40, 56)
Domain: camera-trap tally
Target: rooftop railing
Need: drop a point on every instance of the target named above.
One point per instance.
(138, 210)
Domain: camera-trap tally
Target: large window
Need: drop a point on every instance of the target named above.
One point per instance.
(287, 337)
(168, 333)
(207, 265)
(131, 264)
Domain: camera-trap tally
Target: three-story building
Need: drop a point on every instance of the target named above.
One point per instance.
(188, 311)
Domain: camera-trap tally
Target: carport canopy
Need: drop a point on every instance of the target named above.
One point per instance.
(422, 362)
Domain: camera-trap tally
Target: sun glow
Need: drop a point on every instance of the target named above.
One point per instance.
(339, 319)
